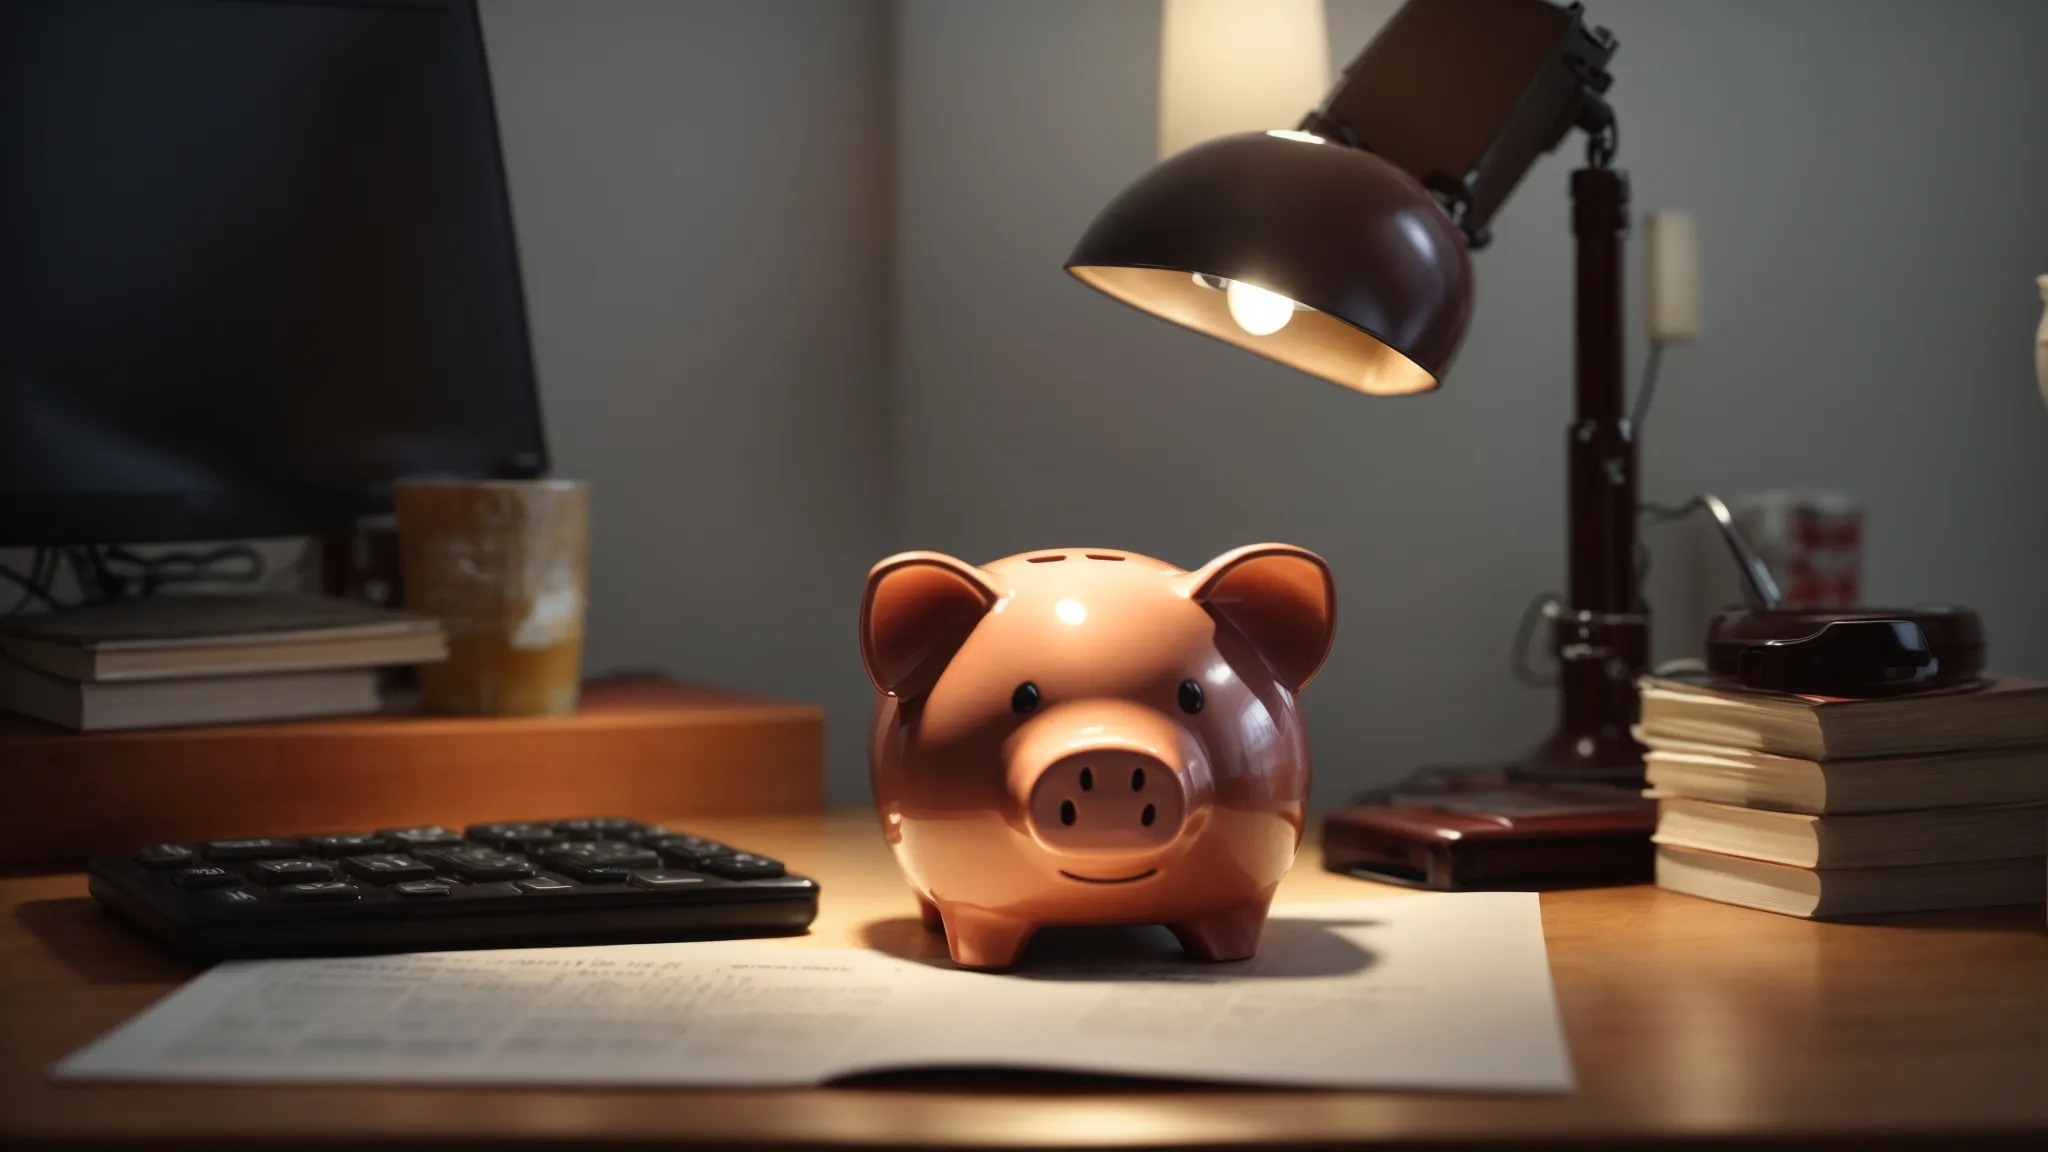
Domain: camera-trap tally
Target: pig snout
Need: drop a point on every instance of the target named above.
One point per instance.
(1108, 798)
(1108, 781)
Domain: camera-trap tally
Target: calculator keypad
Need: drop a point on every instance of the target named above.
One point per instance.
(521, 883)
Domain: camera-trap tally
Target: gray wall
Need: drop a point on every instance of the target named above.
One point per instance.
(1872, 196)
(794, 271)
(699, 192)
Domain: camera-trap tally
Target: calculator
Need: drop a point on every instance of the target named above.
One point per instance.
(513, 884)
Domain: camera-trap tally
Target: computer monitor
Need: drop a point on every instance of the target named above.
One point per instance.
(256, 262)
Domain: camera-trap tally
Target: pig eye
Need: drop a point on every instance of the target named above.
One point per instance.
(1024, 701)
(1190, 697)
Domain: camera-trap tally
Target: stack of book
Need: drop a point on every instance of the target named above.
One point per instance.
(166, 661)
(1823, 808)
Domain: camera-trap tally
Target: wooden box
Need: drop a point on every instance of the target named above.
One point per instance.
(649, 749)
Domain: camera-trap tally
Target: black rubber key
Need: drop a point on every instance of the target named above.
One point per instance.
(690, 849)
(742, 866)
(664, 880)
(343, 843)
(604, 853)
(514, 835)
(468, 892)
(428, 836)
(387, 868)
(251, 848)
(166, 856)
(234, 897)
(204, 876)
(589, 873)
(481, 864)
(546, 886)
(295, 871)
(418, 889)
(325, 891)
(598, 828)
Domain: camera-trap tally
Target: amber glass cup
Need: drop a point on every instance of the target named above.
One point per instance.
(504, 565)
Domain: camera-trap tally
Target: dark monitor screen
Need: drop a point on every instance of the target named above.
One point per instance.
(256, 262)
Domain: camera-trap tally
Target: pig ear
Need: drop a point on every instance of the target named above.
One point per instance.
(918, 610)
(1281, 598)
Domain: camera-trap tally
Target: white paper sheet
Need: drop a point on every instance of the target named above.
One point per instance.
(1448, 991)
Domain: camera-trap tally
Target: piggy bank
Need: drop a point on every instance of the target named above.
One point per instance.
(1087, 736)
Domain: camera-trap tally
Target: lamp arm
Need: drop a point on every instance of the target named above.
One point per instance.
(1758, 584)
(1759, 587)
(1375, 105)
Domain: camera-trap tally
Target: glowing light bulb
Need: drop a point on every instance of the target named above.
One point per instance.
(1256, 310)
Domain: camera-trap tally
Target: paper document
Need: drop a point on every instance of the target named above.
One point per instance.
(1446, 991)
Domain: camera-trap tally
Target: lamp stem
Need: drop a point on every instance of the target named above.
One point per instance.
(1602, 639)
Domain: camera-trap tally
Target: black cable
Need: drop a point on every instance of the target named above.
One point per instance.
(31, 588)
(1664, 513)
(96, 583)
(1648, 388)
(96, 571)
(188, 567)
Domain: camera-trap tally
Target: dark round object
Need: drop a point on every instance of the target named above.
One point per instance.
(1848, 651)
(1190, 697)
(1337, 229)
(1024, 701)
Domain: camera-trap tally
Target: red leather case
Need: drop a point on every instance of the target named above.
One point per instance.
(1512, 836)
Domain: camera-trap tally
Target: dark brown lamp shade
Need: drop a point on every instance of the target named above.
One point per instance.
(1380, 272)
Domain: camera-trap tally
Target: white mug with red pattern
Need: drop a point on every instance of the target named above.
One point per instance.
(1811, 541)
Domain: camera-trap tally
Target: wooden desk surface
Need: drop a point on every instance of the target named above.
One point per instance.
(1686, 1019)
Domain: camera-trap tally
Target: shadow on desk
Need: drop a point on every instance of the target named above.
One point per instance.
(85, 938)
(1289, 949)
(1001, 1081)
(2010, 918)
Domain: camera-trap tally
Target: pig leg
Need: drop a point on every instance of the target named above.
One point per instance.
(1232, 935)
(929, 913)
(982, 939)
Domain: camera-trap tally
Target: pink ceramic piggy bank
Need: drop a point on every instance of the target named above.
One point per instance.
(1084, 736)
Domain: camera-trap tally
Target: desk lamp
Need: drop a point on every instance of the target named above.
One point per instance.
(1340, 247)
